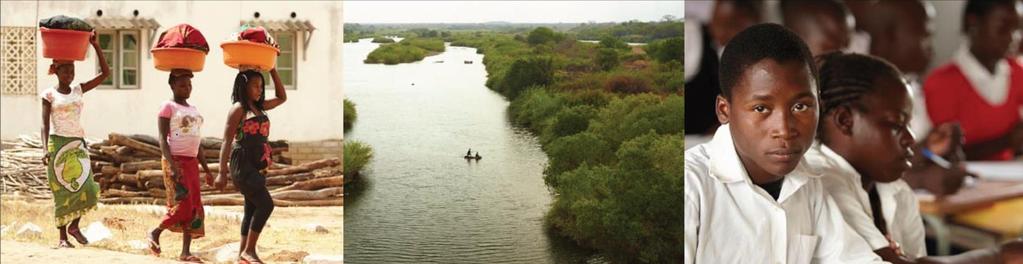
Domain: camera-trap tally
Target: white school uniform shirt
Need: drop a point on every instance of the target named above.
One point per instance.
(728, 219)
(920, 123)
(898, 204)
(693, 46)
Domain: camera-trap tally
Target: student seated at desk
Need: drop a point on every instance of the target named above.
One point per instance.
(865, 149)
(749, 195)
(982, 88)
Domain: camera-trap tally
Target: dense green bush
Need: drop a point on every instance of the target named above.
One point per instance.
(383, 40)
(607, 59)
(667, 49)
(630, 208)
(631, 31)
(611, 42)
(349, 115)
(405, 51)
(569, 121)
(356, 156)
(526, 72)
(542, 35)
(533, 108)
(636, 115)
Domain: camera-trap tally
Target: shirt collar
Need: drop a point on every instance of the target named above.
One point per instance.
(840, 165)
(972, 68)
(992, 86)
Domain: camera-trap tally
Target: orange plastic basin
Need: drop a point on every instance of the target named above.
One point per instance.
(247, 53)
(63, 44)
(167, 59)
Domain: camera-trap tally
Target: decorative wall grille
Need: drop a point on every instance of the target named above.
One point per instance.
(18, 64)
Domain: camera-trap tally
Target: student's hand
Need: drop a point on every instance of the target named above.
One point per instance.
(942, 139)
(46, 159)
(937, 180)
(948, 182)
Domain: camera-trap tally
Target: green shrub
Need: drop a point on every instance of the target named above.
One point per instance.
(667, 49)
(349, 115)
(611, 42)
(383, 40)
(535, 107)
(569, 121)
(408, 50)
(526, 72)
(541, 35)
(627, 83)
(356, 156)
(607, 59)
(635, 115)
(628, 208)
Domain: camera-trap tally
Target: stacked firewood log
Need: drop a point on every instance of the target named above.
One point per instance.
(128, 169)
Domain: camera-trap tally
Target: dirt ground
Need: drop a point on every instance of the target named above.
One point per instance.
(290, 235)
(24, 252)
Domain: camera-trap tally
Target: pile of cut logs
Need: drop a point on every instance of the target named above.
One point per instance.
(128, 169)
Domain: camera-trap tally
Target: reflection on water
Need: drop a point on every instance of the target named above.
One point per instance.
(419, 200)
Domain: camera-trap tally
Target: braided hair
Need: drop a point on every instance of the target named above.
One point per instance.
(240, 95)
(846, 77)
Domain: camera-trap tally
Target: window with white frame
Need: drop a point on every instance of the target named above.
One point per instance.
(121, 49)
(287, 62)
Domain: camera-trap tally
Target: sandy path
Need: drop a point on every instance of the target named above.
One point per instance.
(21, 252)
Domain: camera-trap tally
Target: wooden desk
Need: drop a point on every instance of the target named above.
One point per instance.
(982, 195)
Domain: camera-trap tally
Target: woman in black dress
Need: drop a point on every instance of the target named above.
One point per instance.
(248, 127)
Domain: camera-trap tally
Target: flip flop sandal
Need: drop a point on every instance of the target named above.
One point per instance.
(77, 234)
(250, 261)
(154, 247)
(64, 244)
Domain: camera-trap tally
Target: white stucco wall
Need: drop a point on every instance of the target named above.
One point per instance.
(313, 111)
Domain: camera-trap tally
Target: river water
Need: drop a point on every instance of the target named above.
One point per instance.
(419, 200)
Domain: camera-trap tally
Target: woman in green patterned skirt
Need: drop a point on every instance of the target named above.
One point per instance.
(67, 159)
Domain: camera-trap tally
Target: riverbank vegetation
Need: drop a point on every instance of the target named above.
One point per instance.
(631, 31)
(405, 51)
(610, 119)
(349, 115)
(383, 40)
(356, 155)
(608, 115)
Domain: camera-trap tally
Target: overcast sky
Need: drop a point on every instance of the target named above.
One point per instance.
(362, 11)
